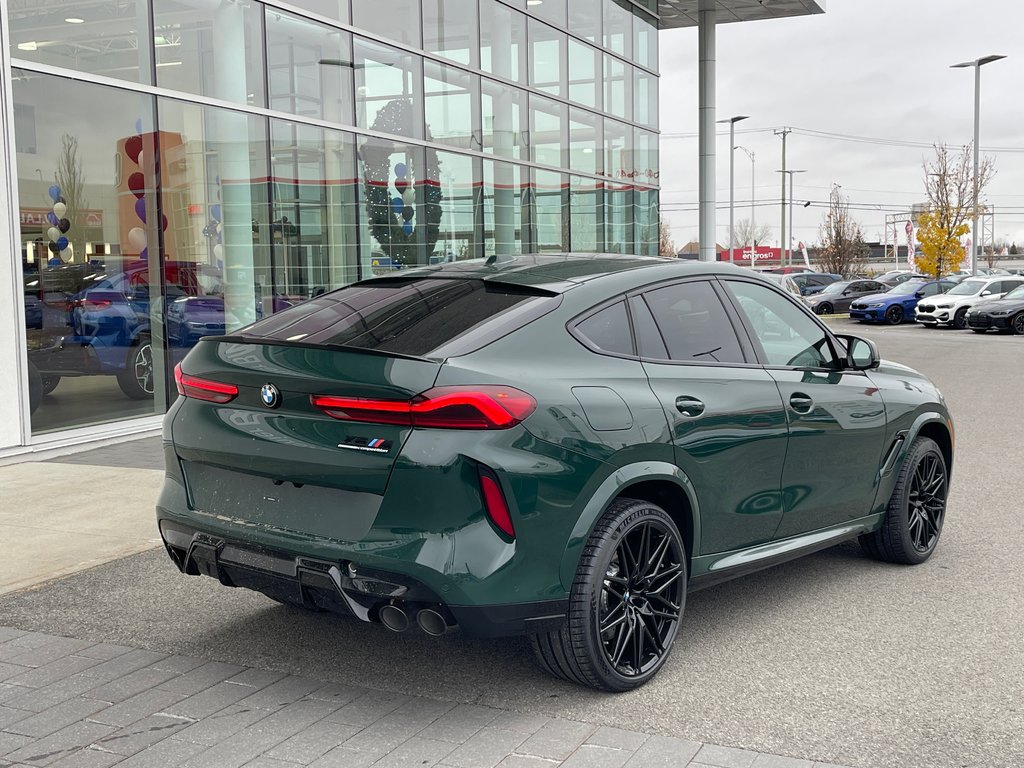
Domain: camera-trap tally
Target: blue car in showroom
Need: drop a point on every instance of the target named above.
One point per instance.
(898, 303)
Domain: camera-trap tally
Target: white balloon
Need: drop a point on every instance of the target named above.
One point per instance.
(68, 253)
(218, 251)
(137, 238)
(409, 196)
(54, 234)
(60, 209)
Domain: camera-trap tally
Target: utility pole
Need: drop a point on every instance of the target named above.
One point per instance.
(782, 229)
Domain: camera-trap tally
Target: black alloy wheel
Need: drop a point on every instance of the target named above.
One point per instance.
(916, 510)
(625, 604)
(1017, 324)
(894, 315)
(960, 319)
(823, 309)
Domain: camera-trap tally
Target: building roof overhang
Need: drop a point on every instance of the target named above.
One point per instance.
(683, 13)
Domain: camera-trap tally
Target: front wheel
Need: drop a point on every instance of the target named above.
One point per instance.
(625, 604)
(136, 380)
(50, 383)
(823, 309)
(1017, 324)
(917, 508)
(960, 319)
(894, 315)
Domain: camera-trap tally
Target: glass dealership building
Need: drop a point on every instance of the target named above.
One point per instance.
(180, 168)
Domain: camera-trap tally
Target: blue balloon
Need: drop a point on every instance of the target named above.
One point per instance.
(397, 203)
(215, 211)
(138, 125)
(401, 170)
(407, 228)
(54, 192)
(52, 218)
(62, 242)
(144, 254)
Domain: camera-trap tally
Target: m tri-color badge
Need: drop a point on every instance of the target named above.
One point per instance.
(366, 444)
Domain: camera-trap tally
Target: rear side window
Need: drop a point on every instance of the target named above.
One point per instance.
(425, 317)
(608, 330)
(694, 324)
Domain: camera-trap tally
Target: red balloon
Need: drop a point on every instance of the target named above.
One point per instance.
(133, 146)
(137, 184)
(163, 223)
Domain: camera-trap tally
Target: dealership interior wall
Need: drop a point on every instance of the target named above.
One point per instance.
(179, 168)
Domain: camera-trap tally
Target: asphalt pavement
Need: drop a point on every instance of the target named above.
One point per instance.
(834, 657)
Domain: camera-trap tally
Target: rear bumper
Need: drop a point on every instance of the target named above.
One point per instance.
(342, 586)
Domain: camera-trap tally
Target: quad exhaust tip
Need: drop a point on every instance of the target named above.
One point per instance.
(397, 618)
(394, 618)
(431, 622)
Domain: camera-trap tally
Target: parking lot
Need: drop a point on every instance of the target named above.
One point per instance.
(834, 657)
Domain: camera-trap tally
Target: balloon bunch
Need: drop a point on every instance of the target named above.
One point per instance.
(59, 225)
(216, 228)
(404, 206)
(137, 237)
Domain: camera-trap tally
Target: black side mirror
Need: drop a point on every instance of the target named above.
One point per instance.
(861, 353)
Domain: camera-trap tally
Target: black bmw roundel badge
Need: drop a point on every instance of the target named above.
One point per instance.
(269, 396)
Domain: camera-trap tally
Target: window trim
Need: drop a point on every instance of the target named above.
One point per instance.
(572, 326)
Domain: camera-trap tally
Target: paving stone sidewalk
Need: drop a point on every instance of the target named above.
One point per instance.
(69, 703)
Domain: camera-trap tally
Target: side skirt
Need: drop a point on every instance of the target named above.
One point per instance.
(709, 570)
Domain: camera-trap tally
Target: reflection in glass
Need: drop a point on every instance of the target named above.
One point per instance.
(585, 141)
(450, 102)
(213, 50)
(618, 27)
(502, 41)
(503, 208)
(646, 218)
(547, 130)
(450, 29)
(96, 36)
(90, 251)
(618, 218)
(585, 214)
(547, 51)
(332, 9)
(585, 20)
(618, 88)
(552, 11)
(618, 150)
(388, 85)
(458, 237)
(394, 19)
(551, 212)
(645, 98)
(645, 41)
(504, 119)
(645, 156)
(309, 68)
(584, 66)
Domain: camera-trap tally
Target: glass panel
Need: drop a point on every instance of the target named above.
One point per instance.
(618, 27)
(96, 36)
(404, 203)
(645, 156)
(309, 68)
(332, 9)
(450, 100)
(645, 98)
(649, 343)
(608, 330)
(90, 251)
(584, 68)
(618, 218)
(694, 324)
(313, 243)
(503, 208)
(646, 218)
(213, 50)
(505, 130)
(394, 19)
(450, 29)
(388, 83)
(547, 52)
(547, 130)
(585, 141)
(552, 11)
(585, 19)
(502, 41)
(618, 150)
(457, 239)
(645, 41)
(552, 213)
(618, 82)
(585, 214)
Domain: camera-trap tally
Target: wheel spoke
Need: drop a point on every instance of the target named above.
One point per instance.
(660, 551)
(665, 602)
(674, 573)
(653, 635)
(638, 644)
(625, 630)
(610, 623)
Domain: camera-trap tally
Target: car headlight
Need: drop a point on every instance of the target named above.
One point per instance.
(876, 305)
(943, 306)
(998, 312)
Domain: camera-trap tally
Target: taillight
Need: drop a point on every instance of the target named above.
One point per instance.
(92, 304)
(203, 389)
(494, 503)
(482, 407)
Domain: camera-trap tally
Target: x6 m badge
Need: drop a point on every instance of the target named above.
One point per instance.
(366, 444)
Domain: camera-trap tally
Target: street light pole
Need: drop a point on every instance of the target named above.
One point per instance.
(977, 64)
(753, 192)
(790, 172)
(732, 184)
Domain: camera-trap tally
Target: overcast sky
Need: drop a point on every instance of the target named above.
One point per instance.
(868, 68)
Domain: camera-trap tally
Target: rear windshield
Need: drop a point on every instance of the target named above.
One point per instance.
(425, 317)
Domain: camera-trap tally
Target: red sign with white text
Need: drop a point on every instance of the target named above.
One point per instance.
(765, 255)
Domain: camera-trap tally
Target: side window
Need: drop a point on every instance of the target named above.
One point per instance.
(932, 288)
(788, 336)
(694, 324)
(608, 330)
(649, 343)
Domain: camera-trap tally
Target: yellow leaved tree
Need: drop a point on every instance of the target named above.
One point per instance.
(941, 249)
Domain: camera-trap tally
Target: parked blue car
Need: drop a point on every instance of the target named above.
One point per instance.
(898, 303)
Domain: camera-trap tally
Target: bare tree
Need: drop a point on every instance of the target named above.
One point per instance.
(746, 235)
(71, 180)
(666, 246)
(843, 251)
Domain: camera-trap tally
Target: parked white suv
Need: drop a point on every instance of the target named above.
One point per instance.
(950, 308)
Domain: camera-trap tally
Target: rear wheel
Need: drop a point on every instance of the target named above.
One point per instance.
(35, 387)
(894, 315)
(625, 604)
(50, 383)
(136, 380)
(960, 319)
(917, 508)
(1017, 324)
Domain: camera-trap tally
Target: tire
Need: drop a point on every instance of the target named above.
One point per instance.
(136, 381)
(50, 383)
(35, 387)
(911, 528)
(647, 603)
(960, 319)
(894, 315)
(823, 309)
(1017, 324)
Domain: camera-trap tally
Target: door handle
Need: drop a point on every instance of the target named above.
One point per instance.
(689, 406)
(800, 402)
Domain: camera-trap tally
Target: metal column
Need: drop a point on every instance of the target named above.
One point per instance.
(706, 54)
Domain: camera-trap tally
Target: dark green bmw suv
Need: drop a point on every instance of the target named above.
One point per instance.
(558, 446)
